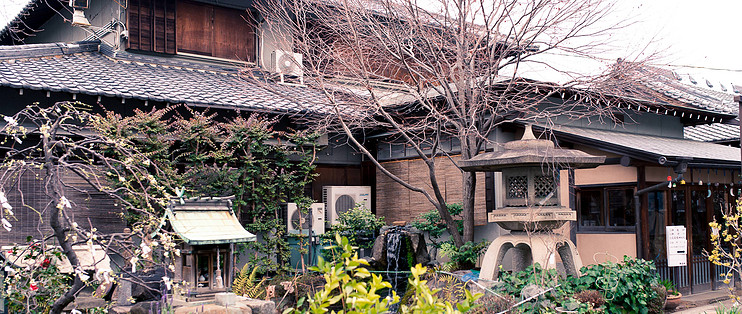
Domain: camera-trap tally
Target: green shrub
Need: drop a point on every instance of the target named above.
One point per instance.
(351, 288)
(432, 223)
(357, 224)
(464, 256)
(626, 287)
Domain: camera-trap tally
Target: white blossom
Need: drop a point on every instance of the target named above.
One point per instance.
(168, 283)
(6, 224)
(64, 202)
(145, 249)
(81, 273)
(11, 121)
(133, 262)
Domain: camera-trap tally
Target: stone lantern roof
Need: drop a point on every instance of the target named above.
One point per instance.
(530, 151)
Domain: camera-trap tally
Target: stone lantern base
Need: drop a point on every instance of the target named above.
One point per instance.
(529, 249)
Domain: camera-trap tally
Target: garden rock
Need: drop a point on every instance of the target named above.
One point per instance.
(530, 291)
(258, 306)
(225, 299)
(150, 290)
(214, 309)
(417, 241)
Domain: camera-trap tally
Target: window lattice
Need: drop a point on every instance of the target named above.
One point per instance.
(543, 185)
(517, 186)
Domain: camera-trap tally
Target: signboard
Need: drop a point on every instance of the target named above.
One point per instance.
(677, 246)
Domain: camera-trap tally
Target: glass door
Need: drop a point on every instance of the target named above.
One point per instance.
(699, 239)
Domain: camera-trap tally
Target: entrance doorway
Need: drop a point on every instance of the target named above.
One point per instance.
(211, 270)
(692, 207)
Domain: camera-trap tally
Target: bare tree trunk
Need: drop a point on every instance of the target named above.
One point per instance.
(467, 213)
(442, 208)
(54, 181)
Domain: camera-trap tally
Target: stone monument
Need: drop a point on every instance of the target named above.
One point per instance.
(532, 206)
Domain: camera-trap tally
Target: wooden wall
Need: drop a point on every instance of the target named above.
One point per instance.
(93, 206)
(170, 26)
(151, 25)
(397, 203)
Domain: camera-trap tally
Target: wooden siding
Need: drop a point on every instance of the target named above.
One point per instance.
(87, 206)
(335, 175)
(396, 203)
(215, 31)
(151, 25)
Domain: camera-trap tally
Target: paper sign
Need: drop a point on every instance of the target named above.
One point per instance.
(677, 246)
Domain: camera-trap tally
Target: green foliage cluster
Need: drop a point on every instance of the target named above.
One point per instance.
(462, 257)
(465, 256)
(626, 287)
(357, 224)
(244, 283)
(432, 223)
(208, 155)
(351, 288)
(34, 290)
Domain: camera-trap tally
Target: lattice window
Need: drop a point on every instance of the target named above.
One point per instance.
(543, 185)
(517, 187)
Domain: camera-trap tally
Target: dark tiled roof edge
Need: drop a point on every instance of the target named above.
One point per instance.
(45, 50)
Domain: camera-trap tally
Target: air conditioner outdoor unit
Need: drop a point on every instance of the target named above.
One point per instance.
(298, 222)
(339, 199)
(287, 63)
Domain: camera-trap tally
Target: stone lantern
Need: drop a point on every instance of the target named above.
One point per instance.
(532, 203)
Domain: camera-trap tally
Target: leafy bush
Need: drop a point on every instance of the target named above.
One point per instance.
(359, 225)
(351, 288)
(625, 287)
(464, 256)
(36, 288)
(432, 223)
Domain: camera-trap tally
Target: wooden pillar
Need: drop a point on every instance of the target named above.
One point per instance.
(643, 232)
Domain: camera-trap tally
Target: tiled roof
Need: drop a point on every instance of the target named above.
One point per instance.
(82, 68)
(670, 87)
(664, 82)
(654, 146)
(717, 132)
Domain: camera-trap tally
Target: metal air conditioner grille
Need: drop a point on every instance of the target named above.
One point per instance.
(343, 204)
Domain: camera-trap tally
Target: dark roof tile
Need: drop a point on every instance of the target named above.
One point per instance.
(81, 68)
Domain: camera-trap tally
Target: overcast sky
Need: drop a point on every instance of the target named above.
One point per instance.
(701, 36)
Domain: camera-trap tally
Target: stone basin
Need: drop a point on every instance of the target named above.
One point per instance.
(542, 218)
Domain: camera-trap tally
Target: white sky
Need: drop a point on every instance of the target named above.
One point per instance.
(704, 36)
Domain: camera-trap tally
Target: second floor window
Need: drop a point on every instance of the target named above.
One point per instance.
(170, 26)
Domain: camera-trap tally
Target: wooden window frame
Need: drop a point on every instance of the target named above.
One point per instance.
(604, 211)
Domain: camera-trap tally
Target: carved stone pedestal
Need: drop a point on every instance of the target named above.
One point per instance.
(537, 248)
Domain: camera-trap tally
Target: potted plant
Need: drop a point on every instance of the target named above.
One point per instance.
(673, 295)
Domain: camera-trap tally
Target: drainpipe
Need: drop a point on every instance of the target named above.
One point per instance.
(679, 170)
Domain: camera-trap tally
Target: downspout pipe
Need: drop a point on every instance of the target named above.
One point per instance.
(680, 169)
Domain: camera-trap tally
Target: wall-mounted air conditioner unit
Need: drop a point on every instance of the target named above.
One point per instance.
(287, 63)
(298, 222)
(339, 199)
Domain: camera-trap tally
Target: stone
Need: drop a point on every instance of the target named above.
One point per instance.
(225, 299)
(258, 306)
(151, 288)
(420, 248)
(214, 309)
(378, 253)
(123, 291)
